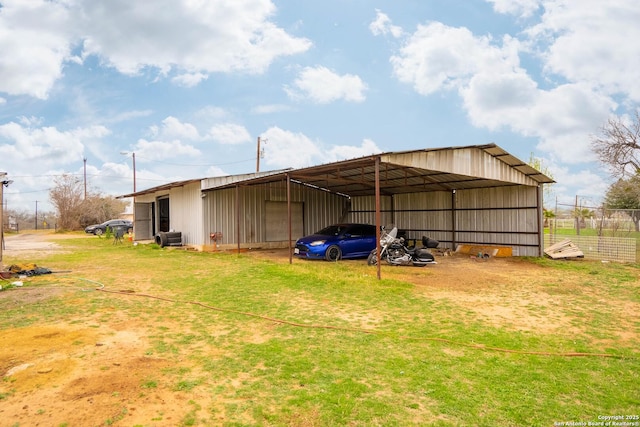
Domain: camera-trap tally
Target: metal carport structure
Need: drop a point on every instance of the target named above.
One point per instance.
(450, 169)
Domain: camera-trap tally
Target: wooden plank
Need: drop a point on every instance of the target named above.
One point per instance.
(564, 249)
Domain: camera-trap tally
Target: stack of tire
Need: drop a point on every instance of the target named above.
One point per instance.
(169, 238)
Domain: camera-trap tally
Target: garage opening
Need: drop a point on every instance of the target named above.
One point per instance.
(276, 221)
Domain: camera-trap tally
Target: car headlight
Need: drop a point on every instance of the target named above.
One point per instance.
(317, 243)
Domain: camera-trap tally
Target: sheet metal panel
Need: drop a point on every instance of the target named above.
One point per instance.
(363, 210)
(320, 208)
(185, 212)
(425, 214)
(499, 216)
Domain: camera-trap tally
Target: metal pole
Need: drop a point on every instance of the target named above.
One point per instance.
(238, 216)
(378, 216)
(454, 242)
(133, 155)
(258, 157)
(289, 216)
(36, 214)
(2, 175)
(540, 201)
(85, 177)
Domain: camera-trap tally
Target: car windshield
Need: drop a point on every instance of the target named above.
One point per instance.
(332, 230)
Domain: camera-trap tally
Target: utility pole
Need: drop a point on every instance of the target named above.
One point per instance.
(85, 177)
(260, 153)
(133, 156)
(36, 214)
(258, 157)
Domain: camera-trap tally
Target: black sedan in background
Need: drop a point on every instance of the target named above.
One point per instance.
(99, 229)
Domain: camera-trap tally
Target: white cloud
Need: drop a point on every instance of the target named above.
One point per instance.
(45, 147)
(270, 108)
(190, 38)
(322, 86)
(523, 8)
(571, 183)
(499, 94)
(592, 41)
(204, 36)
(173, 129)
(229, 133)
(160, 150)
(439, 57)
(215, 171)
(35, 40)
(189, 79)
(382, 26)
(284, 149)
(345, 152)
(561, 118)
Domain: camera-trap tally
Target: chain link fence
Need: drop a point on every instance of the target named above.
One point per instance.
(621, 249)
(604, 234)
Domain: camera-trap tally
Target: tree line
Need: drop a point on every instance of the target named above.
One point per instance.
(74, 209)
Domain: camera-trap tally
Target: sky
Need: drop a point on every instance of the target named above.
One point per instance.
(190, 85)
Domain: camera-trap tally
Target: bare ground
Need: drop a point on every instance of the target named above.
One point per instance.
(89, 372)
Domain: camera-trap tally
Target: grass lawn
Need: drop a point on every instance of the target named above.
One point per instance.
(245, 340)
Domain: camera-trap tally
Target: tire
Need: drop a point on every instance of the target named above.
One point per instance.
(98, 232)
(161, 239)
(333, 253)
(372, 259)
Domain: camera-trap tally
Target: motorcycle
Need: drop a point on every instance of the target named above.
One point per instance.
(394, 251)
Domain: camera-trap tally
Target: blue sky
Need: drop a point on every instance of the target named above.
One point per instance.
(189, 85)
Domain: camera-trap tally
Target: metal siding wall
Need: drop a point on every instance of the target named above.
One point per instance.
(499, 215)
(425, 214)
(363, 210)
(510, 212)
(185, 210)
(320, 209)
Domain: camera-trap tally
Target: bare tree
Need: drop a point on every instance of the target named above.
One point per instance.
(67, 196)
(74, 211)
(618, 145)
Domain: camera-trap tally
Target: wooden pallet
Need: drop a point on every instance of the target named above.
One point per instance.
(564, 250)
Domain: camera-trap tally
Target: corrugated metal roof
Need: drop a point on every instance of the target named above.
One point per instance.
(431, 169)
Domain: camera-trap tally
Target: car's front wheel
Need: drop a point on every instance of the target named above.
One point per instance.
(333, 253)
(98, 231)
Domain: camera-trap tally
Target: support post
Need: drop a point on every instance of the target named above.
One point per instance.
(540, 201)
(453, 220)
(289, 217)
(2, 178)
(378, 216)
(238, 216)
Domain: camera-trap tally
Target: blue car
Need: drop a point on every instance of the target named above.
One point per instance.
(338, 241)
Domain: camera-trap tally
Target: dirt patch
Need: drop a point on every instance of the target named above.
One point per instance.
(35, 242)
(100, 372)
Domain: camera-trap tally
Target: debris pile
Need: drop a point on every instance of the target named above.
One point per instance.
(564, 250)
(28, 269)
